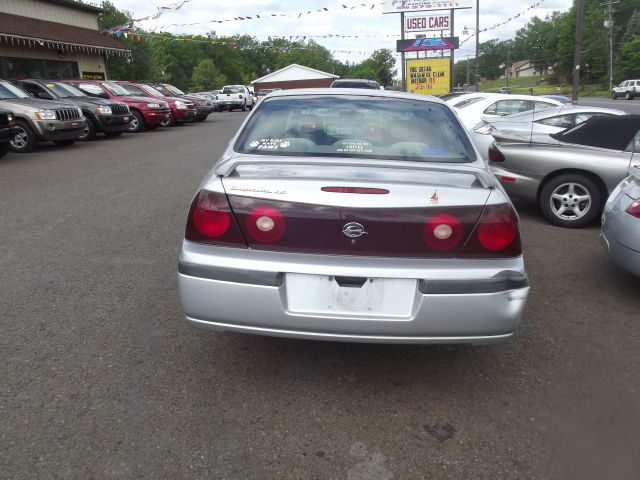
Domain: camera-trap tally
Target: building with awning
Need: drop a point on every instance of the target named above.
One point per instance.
(53, 39)
(294, 76)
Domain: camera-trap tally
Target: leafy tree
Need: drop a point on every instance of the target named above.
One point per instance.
(206, 76)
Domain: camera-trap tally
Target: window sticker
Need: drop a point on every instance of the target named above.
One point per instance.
(352, 146)
(269, 144)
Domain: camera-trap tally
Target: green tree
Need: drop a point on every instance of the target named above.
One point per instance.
(206, 76)
(379, 67)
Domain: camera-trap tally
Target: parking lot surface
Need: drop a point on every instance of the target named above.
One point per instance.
(102, 379)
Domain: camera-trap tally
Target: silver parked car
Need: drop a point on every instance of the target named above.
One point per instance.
(569, 174)
(353, 215)
(549, 120)
(620, 232)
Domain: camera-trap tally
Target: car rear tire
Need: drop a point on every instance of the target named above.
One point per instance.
(66, 142)
(571, 200)
(113, 134)
(628, 96)
(169, 122)
(89, 132)
(24, 140)
(137, 122)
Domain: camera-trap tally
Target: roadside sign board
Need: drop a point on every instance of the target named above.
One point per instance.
(429, 76)
(427, 44)
(426, 23)
(402, 6)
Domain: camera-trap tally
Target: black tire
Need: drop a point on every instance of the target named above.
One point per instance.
(614, 96)
(113, 134)
(244, 107)
(564, 193)
(24, 140)
(201, 118)
(4, 148)
(169, 122)
(66, 142)
(628, 96)
(89, 132)
(137, 122)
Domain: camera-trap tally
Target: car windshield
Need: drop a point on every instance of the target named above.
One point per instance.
(154, 92)
(8, 90)
(174, 90)
(231, 90)
(63, 91)
(115, 89)
(357, 127)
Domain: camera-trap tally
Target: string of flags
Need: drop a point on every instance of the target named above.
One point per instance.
(258, 16)
(493, 27)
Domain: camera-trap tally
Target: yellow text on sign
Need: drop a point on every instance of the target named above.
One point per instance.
(430, 76)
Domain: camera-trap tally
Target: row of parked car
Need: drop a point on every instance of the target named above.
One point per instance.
(66, 111)
(578, 163)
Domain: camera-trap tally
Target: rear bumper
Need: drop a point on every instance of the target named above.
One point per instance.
(468, 301)
(518, 185)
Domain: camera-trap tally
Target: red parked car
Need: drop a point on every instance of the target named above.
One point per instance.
(147, 113)
(182, 109)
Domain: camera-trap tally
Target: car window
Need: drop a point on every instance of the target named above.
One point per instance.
(231, 90)
(624, 84)
(540, 105)
(583, 117)
(133, 90)
(7, 90)
(31, 88)
(563, 121)
(467, 101)
(508, 107)
(62, 90)
(355, 126)
(173, 91)
(91, 89)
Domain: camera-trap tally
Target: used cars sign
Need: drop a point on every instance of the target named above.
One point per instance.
(427, 22)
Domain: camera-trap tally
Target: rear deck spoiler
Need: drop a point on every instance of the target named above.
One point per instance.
(227, 166)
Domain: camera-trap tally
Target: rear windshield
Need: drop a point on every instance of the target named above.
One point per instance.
(352, 84)
(467, 101)
(355, 126)
(231, 90)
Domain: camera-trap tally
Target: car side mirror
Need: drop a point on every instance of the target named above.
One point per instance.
(45, 95)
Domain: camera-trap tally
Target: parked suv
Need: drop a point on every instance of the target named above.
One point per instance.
(182, 109)
(103, 116)
(146, 113)
(235, 96)
(203, 106)
(627, 89)
(40, 120)
(7, 123)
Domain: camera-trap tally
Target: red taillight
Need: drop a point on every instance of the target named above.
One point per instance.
(265, 224)
(442, 232)
(360, 190)
(211, 221)
(495, 155)
(634, 209)
(495, 235)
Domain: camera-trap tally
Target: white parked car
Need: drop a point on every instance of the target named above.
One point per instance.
(235, 96)
(499, 105)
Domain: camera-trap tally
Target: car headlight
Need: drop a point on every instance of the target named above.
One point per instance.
(104, 109)
(181, 105)
(153, 105)
(10, 120)
(45, 115)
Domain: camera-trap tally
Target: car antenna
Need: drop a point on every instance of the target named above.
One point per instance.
(533, 116)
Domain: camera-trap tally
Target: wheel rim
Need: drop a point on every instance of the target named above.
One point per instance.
(85, 133)
(20, 139)
(133, 126)
(570, 201)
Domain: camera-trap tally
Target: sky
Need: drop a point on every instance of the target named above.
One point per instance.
(375, 29)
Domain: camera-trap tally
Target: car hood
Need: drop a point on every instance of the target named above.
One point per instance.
(138, 99)
(610, 132)
(86, 101)
(34, 103)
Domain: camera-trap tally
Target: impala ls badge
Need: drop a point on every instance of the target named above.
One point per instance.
(353, 230)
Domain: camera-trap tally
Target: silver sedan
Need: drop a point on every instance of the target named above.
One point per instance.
(569, 174)
(620, 232)
(353, 215)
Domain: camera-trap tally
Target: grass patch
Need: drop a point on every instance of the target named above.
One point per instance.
(540, 86)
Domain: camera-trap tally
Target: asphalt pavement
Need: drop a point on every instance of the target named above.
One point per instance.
(102, 379)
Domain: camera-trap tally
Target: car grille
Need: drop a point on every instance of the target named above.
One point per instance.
(119, 109)
(68, 114)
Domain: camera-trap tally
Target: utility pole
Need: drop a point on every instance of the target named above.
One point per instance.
(578, 53)
(477, 45)
(609, 24)
(402, 57)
